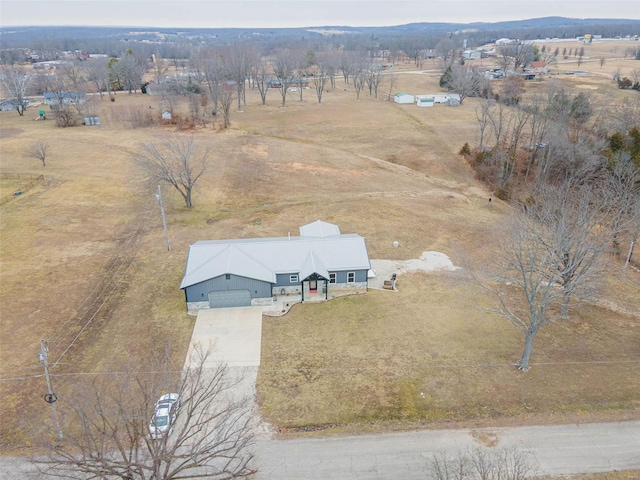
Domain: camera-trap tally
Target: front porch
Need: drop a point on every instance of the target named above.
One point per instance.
(314, 288)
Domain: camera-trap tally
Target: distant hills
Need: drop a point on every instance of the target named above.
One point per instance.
(563, 27)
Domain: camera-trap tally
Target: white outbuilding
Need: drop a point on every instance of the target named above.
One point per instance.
(425, 100)
(403, 98)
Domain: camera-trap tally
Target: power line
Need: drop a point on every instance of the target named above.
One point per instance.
(107, 276)
(113, 280)
(49, 397)
(115, 286)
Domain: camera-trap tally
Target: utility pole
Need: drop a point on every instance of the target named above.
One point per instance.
(164, 219)
(49, 397)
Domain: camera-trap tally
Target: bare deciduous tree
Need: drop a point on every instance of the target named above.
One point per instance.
(39, 151)
(97, 73)
(159, 67)
(390, 80)
(225, 98)
(633, 228)
(107, 436)
(208, 63)
(238, 59)
(73, 73)
(283, 66)
(577, 218)
(175, 160)
(480, 464)
(549, 254)
(465, 81)
(319, 80)
(130, 68)
(16, 83)
(526, 269)
(622, 191)
(448, 50)
(195, 102)
(260, 75)
(484, 121)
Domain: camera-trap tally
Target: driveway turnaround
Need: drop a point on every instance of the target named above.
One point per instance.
(234, 333)
(552, 450)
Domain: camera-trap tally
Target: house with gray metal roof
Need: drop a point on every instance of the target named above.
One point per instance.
(319, 264)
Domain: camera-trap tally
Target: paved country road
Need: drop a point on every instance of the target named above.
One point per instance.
(560, 449)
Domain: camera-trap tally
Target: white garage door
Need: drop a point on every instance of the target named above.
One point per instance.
(230, 298)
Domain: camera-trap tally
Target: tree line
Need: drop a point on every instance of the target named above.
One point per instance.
(571, 169)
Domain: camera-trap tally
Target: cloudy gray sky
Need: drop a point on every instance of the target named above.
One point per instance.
(289, 13)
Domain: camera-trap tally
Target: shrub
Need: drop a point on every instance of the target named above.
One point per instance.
(482, 156)
(502, 194)
(625, 83)
(465, 150)
(64, 118)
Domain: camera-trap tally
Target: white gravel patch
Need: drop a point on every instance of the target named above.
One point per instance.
(428, 262)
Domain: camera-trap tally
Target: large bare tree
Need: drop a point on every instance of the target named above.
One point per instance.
(96, 71)
(107, 434)
(238, 62)
(283, 67)
(225, 98)
(319, 79)
(260, 74)
(578, 219)
(207, 62)
(547, 255)
(522, 279)
(130, 68)
(176, 160)
(16, 84)
(465, 81)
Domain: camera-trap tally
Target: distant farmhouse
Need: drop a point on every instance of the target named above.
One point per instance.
(318, 265)
(538, 67)
(12, 104)
(63, 98)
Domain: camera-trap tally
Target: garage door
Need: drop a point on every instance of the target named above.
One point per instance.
(230, 298)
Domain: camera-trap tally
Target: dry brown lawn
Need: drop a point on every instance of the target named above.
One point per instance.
(389, 172)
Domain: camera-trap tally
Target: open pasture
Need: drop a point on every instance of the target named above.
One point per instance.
(91, 235)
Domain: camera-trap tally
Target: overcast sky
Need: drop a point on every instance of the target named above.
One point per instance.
(276, 13)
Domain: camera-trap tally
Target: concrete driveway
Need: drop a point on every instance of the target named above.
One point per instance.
(234, 333)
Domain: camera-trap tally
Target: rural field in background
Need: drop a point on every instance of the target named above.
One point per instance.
(422, 356)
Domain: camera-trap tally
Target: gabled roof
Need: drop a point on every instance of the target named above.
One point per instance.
(263, 258)
(313, 265)
(319, 229)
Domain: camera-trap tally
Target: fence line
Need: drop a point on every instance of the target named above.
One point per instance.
(35, 180)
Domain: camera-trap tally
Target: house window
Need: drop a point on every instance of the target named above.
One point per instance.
(227, 277)
(332, 278)
(293, 278)
(351, 277)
